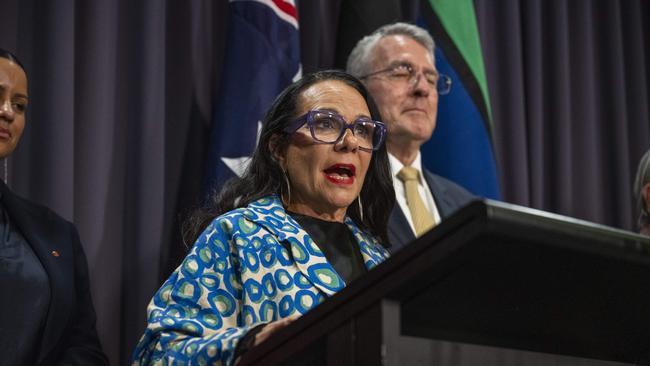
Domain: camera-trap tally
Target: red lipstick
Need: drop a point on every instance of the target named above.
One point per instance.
(341, 174)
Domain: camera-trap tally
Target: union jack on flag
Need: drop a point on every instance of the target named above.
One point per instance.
(262, 58)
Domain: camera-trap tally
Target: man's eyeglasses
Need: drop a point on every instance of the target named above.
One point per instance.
(406, 73)
(329, 127)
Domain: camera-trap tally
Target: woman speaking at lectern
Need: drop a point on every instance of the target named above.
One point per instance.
(308, 217)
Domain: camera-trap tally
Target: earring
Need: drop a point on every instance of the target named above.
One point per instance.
(360, 207)
(286, 181)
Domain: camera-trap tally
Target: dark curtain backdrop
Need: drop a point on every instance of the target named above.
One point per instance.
(121, 97)
(569, 83)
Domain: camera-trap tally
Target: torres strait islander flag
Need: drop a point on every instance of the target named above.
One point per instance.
(262, 58)
(461, 147)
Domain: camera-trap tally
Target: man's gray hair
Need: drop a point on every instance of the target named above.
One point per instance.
(360, 62)
(642, 178)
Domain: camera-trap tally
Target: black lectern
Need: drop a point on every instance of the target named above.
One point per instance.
(492, 279)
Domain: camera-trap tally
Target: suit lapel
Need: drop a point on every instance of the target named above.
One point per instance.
(309, 259)
(56, 258)
(443, 203)
(399, 229)
(371, 251)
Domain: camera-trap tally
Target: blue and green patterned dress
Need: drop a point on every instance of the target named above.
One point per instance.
(240, 274)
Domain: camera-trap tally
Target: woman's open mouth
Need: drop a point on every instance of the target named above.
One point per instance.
(340, 173)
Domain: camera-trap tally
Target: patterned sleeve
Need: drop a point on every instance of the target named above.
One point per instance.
(194, 318)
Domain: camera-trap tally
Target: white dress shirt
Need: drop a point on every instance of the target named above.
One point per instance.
(423, 188)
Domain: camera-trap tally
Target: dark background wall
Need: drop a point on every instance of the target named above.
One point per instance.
(121, 97)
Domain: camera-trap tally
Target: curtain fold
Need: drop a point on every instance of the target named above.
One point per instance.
(569, 85)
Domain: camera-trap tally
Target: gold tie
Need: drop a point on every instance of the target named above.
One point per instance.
(422, 219)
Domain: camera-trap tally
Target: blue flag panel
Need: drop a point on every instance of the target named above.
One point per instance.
(460, 148)
(262, 58)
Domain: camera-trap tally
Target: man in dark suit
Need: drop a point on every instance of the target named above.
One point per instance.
(397, 65)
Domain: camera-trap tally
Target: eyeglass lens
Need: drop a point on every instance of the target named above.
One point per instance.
(407, 72)
(329, 128)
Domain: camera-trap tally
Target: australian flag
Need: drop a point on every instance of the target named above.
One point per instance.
(262, 58)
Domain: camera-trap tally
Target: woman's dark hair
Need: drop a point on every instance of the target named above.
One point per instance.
(264, 176)
(11, 57)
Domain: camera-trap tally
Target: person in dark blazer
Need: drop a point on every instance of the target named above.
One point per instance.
(396, 63)
(46, 311)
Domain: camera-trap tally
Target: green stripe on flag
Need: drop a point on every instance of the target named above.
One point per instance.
(459, 20)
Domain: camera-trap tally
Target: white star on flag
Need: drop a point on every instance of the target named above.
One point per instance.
(239, 165)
